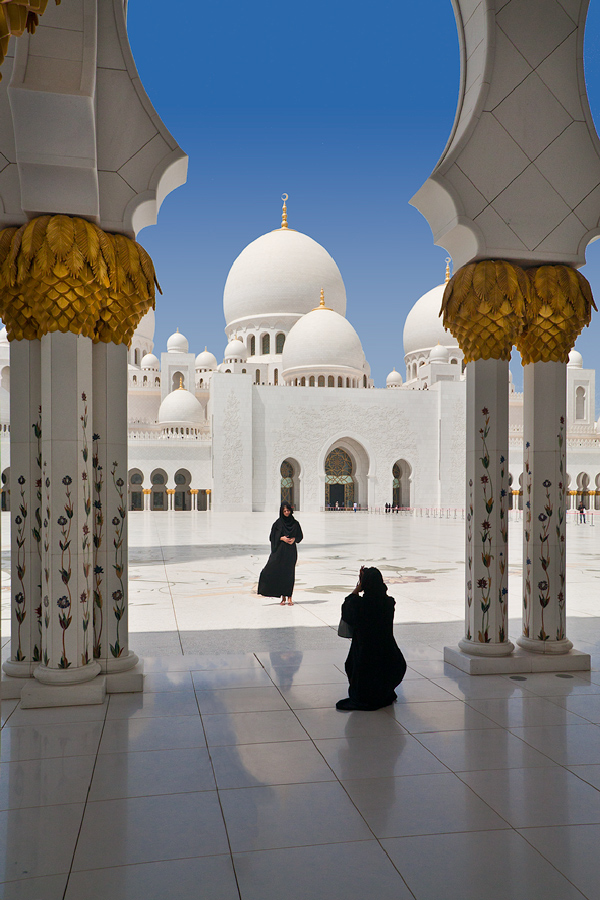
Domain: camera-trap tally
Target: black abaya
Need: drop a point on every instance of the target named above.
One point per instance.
(278, 576)
(375, 664)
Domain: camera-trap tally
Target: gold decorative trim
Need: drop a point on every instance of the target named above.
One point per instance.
(483, 307)
(17, 16)
(560, 306)
(63, 273)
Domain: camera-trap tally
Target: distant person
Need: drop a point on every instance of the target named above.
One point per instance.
(278, 576)
(337, 504)
(581, 509)
(375, 665)
(355, 506)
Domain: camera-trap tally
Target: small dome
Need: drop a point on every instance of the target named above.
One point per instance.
(439, 354)
(322, 338)
(575, 360)
(150, 361)
(394, 379)
(235, 350)
(180, 406)
(423, 328)
(145, 328)
(177, 343)
(206, 360)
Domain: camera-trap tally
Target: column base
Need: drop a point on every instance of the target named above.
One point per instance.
(547, 648)
(520, 661)
(130, 681)
(474, 648)
(35, 695)
(65, 677)
(19, 669)
(120, 664)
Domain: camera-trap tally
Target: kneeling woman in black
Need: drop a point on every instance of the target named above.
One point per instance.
(278, 576)
(375, 664)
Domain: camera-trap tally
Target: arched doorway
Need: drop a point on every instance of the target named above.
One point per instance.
(290, 482)
(401, 472)
(136, 496)
(583, 487)
(339, 480)
(182, 487)
(158, 497)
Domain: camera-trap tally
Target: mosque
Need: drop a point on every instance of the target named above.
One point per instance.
(292, 412)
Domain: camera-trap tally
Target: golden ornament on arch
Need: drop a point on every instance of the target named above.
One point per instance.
(560, 306)
(483, 307)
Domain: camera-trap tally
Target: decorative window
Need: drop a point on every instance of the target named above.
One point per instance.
(257, 377)
(252, 345)
(275, 377)
(321, 381)
(303, 381)
(279, 342)
(266, 344)
(311, 381)
(580, 403)
(331, 381)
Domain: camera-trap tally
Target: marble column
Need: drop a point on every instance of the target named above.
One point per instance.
(544, 509)
(67, 631)
(486, 589)
(194, 496)
(170, 493)
(147, 492)
(110, 478)
(26, 508)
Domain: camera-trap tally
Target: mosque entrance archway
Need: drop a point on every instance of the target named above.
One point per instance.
(401, 473)
(136, 496)
(290, 486)
(182, 489)
(339, 479)
(158, 497)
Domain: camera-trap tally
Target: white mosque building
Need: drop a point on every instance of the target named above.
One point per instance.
(292, 412)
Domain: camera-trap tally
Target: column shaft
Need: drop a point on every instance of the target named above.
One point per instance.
(110, 478)
(66, 377)
(26, 508)
(544, 508)
(486, 591)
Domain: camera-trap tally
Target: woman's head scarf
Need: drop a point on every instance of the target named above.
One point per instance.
(288, 522)
(372, 582)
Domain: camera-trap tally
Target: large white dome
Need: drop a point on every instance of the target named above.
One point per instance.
(280, 274)
(146, 325)
(206, 360)
(322, 339)
(423, 329)
(180, 406)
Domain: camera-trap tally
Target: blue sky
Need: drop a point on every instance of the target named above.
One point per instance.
(345, 111)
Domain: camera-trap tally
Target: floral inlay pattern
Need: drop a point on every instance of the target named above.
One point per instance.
(21, 566)
(469, 559)
(98, 476)
(86, 544)
(527, 535)
(502, 556)
(485, 583)
(36, 531)
(545, 519)
(65, 603)
(118, 543)
(561, 630)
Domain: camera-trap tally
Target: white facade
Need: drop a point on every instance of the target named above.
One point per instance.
(204, 434)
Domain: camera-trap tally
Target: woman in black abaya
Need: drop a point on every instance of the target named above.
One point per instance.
(375, 664)
(277, 577)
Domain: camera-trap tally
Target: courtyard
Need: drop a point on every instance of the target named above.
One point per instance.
(233, 776)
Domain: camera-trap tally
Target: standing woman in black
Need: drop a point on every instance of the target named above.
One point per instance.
(375, 665)
(278, 576)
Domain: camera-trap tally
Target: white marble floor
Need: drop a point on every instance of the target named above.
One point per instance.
(233, 776)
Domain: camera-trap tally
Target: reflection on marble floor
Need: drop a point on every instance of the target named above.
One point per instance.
(233, 776)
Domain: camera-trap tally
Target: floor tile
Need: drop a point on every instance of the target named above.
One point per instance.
(537, 796)
(378, 757)
(474, 865)
(158, 682)
(524, 711)
(23, 858)
(151, 772)
(212, 679)
(467, 687)
(420, 804)
(7, 709)
(45, 782)
(330, 723)
(232, 700)
(50, 888)
(150, 829)
(45, 741)
(313, 696)
(569, 745)
(573, 850)
(591, 774)
(422, 691)
(251, 765)
(453, 715)
(306, 657)
(585, 706)
(139, 706)
(343, 871)
(162, 733)
(253, 728)
(557, 685)
(208, 878)
(493, 748)
(290, 815)
(286, 677)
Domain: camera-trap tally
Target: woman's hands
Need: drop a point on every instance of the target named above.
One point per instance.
(288, 540)
(358, 587)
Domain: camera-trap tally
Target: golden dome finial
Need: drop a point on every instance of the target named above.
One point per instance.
(181, 388)
(448, 261)
(284, 222)
(322, 302)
